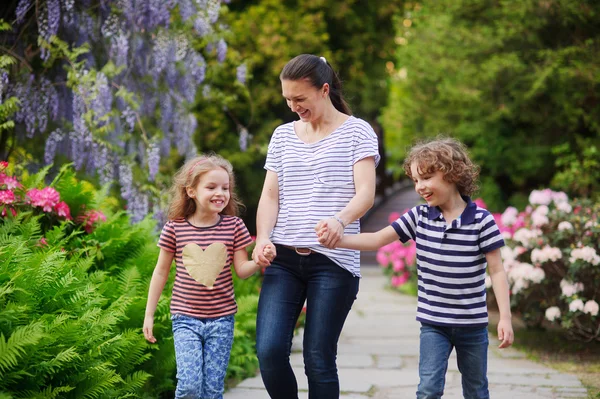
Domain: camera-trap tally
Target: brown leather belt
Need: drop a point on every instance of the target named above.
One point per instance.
(302, 251)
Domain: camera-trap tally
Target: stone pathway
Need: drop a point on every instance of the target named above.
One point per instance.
(378, 355)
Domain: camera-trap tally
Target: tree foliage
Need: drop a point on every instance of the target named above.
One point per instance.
(513, 80)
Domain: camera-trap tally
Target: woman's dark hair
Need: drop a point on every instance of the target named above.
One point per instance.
(318, 72)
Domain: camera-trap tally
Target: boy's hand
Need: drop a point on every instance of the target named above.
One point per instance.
(269, 252)
(321, 230)
(148, 327)
(505, 334)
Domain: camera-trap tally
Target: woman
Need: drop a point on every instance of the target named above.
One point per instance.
(320, 168)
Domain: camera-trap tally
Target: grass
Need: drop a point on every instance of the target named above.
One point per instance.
(553, 348)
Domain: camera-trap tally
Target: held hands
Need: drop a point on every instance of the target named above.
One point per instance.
(505, 333)
(329, 232)
(264, 252)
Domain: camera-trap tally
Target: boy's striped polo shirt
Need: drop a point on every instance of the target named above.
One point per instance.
(451, 263)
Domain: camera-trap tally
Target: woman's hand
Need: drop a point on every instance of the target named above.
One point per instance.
(148, 327)
(258, 254)
(329, 232)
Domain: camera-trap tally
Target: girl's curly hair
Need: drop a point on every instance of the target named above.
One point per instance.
(447, 155)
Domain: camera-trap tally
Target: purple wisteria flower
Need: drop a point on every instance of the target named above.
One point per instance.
(221, 50)
(55, 138)
(22, 9)
(243, 140)
(241, 73)
(153, 156)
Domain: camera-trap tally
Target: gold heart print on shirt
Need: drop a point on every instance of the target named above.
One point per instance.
(205, 266)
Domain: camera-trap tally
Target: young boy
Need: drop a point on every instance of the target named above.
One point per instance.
(455, 240)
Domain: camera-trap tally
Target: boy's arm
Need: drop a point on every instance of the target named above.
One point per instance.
(368, 241)
(501, 291)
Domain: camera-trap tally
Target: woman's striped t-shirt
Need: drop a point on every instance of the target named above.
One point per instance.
(451, 263)
(191, 298)
(316, 181)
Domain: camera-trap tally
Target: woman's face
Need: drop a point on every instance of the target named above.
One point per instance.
(304, 99)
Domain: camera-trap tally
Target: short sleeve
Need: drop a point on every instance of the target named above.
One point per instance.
(406, 225)
(365, 143)
(490, 237)
(167, 239)
(241, 238)
(273, 162)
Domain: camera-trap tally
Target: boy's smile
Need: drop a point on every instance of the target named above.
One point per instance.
(432, 186)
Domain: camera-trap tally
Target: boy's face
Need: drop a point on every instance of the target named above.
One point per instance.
(432, 186)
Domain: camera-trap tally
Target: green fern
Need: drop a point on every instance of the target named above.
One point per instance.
(15, 347)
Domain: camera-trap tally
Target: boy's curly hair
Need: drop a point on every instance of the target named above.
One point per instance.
(447, 155)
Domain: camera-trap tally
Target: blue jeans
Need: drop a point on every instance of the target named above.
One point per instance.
(471, 345)
(329, 292)
(202, 348)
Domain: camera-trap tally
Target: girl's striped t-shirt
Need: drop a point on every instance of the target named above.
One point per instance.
(316, 181)
(189, 297)
(451, 263)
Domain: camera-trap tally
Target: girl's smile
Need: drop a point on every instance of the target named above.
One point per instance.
(211, 194)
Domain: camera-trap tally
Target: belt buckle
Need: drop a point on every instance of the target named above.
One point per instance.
(303, 253)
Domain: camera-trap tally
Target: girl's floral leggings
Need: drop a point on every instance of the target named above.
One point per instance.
(202, 348)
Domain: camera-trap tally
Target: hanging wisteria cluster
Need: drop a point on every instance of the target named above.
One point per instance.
(127, 103)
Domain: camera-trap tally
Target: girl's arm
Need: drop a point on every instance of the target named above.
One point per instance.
(157, 284)
(501, 291)
(366, 241)
(364, 182)
(266, 217)
(245, 268)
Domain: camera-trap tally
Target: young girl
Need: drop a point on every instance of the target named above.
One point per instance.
(205, 237)
(455, 240)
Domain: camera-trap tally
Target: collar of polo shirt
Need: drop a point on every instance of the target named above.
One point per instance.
(467, 217)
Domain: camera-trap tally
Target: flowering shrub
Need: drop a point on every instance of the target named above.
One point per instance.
(16, 197)
(398, 260)
(552, 262)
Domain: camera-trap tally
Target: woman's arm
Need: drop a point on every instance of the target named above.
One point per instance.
(501, 291)
(364, 182)
(157, 284)
(266, 217)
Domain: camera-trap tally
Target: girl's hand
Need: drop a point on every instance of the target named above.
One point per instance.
(258, 254)
(331, 232)
(269, 252)
(148, 327)
(505, 334)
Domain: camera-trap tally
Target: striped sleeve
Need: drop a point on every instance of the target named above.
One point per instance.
(273, 162)
(241, 238)
(167, 239)
(365, 143)
(406, 225)
(490, 237)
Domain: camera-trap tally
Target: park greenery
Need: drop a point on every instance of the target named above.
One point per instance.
(102, 100)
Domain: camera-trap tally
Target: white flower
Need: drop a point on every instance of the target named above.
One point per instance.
(570, 289)
(506, 235)
(587, 254)
(559, 197)
(545, 254)
(591, 307)
(542, 210)
(525, 236)
(543, 197)
(509, 217)
(519, 285)
(564, 207)
(565, 226)
(576, 305)
(488, 281)
(536, 275)
(552, 313)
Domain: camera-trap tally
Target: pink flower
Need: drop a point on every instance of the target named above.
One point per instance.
(3, 165)
(89, 218)
(397, 281)
(591, 307)
(7, 197)
(393, 217)
(541, 197)
(398, 265)
(62, 210)
(10, 182)
(46, 198)
(42, 242)
(479, 202)
(12, 210)
(382, 258)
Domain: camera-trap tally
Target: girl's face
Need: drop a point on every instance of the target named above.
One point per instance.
(304, 99)
(211, 194)
(434, 189)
